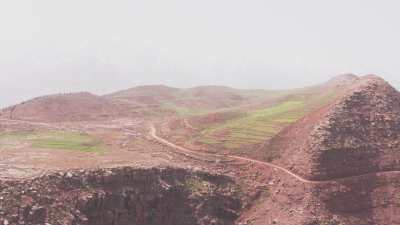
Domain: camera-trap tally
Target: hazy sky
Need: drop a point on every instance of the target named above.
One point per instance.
(50, 46)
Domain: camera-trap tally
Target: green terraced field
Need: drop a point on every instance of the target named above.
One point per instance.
(53, 140)
(68, 141)
(255, 127)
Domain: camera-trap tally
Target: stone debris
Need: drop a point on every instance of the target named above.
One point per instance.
(121, 196)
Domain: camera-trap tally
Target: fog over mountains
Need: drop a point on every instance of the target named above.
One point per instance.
(261, 44)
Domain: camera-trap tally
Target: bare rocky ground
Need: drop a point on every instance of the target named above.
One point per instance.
(123, 195)
(135, 181)
(349, 149)
(123, 143)
(337, 166)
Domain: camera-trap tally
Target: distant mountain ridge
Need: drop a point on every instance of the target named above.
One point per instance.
(62, 107)
(196, 99)
(151, 100)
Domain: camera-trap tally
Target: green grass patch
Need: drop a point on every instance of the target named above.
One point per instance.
(68, 141)
(257, 126)
(253, 127)
(53, 140)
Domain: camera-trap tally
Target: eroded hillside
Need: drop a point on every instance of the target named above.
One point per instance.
(247, 130)
(322, 155)
(348, 153)
(136, 196)
(357, 134)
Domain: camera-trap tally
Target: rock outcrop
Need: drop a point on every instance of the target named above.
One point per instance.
(128, 196)
(358, 134)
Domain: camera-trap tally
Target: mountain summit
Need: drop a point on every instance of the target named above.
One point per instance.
(342, 80)
(357, 134)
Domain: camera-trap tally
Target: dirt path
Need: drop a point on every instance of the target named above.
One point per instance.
(188, 125)
(210, 157)
(153, 134)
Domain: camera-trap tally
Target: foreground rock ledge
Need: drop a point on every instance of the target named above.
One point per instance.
(123, 196)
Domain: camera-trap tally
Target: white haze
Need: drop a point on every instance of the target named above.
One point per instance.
(51, 46)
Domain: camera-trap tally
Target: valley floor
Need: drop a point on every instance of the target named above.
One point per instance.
(270, 194)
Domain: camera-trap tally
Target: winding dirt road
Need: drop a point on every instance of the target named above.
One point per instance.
(153, 134)
(212, 157)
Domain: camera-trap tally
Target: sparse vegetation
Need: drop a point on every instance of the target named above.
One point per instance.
(182, 111)
(68, 141)
(13, 140)
(53, 140)
(253, 127)
(198, 185)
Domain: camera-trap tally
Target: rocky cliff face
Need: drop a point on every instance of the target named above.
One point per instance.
(358, 134)
(365, 200)
(123, 196)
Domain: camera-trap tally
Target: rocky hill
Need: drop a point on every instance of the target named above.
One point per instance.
(357, 134)
(63, 107)
(188, 100)
(340, 137)
(248, 128)
(124, 195)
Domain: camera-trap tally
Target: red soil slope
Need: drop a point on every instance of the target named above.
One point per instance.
(358, 134)
(62, 107)
(349, 145)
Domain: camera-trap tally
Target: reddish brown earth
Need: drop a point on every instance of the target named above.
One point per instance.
(63, 107)
(148, 95)
(126, 195)
(349, 150)
(339, 165)
(357, 134)
(201, 98)
(346, 155)
(284, 197)
(212, 118)
(213, 97)
(188, 129)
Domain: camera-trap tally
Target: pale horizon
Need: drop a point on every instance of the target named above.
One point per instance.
(102, 46)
